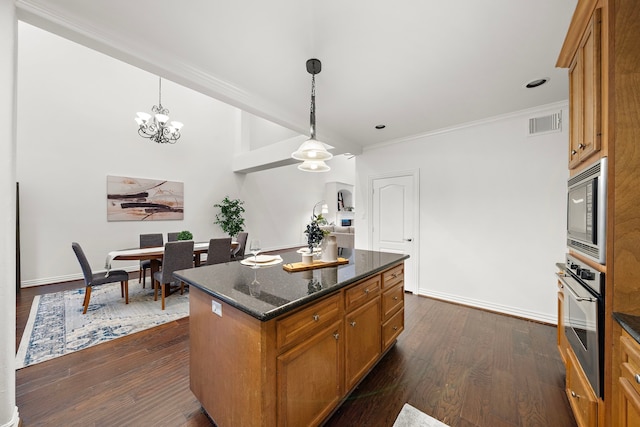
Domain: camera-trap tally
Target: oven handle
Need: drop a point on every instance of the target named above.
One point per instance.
(575, 296)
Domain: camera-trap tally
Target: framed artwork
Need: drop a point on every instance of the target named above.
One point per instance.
(142, 199)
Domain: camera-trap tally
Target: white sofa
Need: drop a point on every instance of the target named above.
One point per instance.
(345, 236)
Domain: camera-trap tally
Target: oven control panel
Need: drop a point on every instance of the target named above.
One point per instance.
(586, 274)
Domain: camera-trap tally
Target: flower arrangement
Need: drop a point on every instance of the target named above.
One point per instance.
(314, 233)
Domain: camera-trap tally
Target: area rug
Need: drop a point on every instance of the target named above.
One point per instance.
(412, 417)
(56, 325)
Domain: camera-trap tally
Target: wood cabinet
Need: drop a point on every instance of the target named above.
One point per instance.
(563, 345)
(362, 329)
(580, 394)
(310, 378)
(616, 116)
(392, 305)
(295, 369)
(585, 96)
(629, 381)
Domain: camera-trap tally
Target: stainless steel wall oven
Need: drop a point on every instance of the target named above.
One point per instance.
(584, 318)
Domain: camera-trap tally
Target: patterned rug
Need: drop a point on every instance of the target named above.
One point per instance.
(412, 417)
(56, 325)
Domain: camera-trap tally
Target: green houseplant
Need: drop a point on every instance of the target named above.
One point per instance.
(230, 216)
(185, 235)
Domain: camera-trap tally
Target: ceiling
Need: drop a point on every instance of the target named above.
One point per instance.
(416, 66)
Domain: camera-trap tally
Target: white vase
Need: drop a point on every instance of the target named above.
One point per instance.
(307, 259)
(330, 249)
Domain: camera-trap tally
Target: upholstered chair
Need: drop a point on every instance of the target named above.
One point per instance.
(148, 241)
(239, 252)
(95, 279)
(219, 251)
(177, 256)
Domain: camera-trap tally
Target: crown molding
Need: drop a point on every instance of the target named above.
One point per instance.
(519, 113)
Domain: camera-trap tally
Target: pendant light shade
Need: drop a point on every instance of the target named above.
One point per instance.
(312, 149)
(314, 166)
(312, 152)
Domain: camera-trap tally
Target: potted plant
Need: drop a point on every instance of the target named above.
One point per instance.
(185, 235)
(230, 216)
(315, 234)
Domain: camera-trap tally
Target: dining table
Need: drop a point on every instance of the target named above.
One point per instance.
(155, 255)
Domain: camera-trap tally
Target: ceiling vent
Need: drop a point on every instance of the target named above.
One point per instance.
(545, 124)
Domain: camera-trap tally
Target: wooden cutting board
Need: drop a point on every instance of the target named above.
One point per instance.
(299, 266)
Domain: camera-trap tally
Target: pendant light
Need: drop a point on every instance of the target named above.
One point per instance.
(313, 152)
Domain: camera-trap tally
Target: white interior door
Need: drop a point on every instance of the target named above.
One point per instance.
(394, 220)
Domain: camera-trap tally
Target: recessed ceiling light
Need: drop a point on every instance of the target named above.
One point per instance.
(536, 82)
(381, 126)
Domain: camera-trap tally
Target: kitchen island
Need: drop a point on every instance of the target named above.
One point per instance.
(272, 348)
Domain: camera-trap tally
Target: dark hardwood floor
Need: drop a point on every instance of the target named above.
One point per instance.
(464, 366)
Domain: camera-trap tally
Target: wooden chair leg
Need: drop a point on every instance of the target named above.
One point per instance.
(126, 291)
(144, 278)
(139, 274)
(121, 289)
(162, 291)
(181, 288)
(87, 296)
(155, 290)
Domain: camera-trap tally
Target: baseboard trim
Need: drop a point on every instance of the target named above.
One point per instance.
(496, 308)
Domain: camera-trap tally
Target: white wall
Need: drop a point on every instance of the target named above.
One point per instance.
(75, 126)
(492, 211)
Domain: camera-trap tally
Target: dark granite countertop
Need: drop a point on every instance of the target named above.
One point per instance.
(268, 292)
(629, 323)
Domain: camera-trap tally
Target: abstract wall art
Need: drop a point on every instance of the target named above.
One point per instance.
(142, 199)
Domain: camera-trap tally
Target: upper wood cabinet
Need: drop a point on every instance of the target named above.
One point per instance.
(585, 95)
(604, 36)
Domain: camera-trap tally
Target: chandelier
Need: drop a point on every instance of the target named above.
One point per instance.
(155, 127)
(313, 152)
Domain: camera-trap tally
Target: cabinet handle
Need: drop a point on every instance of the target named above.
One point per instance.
(336, 335)
(395, 298)
(366, 291)
(573, 394)
(395, 328)
(394, 275)
(574, 152)
(581, 146)
(316, 317)
(353, 323)
(637, 377)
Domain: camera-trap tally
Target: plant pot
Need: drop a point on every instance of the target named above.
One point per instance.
(307, 259)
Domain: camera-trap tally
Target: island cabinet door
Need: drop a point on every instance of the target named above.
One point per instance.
(310, 377)
(362, 341)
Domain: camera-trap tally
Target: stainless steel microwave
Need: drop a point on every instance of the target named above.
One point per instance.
(587, 211)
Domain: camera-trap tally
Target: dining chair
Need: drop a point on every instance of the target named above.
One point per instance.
(177, 256)
(148, 241)
(172, 237)
(238, 254)
(95, 279)
(219, 251)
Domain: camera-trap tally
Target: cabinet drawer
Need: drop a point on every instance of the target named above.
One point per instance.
(580, 395)
(392, 300)
(630, 368)
(303, 323)
(362, 292)
(393, 276)
(392, 328)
